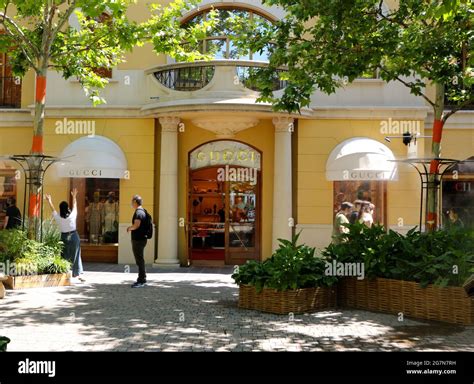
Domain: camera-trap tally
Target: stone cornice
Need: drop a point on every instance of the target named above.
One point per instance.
(370, 113)
(459, 120)
(15, 118)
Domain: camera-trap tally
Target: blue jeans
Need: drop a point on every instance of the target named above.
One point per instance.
(72, 251)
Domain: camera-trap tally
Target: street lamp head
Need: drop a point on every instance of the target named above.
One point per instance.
(407, 137)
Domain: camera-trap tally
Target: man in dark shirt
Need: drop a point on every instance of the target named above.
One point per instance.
(13, 215)
(139, 239)
(355, 212)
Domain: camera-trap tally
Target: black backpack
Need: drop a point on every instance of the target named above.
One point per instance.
(148, 225)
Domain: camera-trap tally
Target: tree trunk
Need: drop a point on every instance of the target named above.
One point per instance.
(35, 172)
(431, 219)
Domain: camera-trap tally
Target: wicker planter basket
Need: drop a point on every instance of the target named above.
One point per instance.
(37, 281)
(448, 304)
(284, 302)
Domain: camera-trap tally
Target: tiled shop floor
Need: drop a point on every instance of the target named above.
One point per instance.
(196, 309)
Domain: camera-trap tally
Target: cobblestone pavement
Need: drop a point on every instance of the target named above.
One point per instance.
(195, 309)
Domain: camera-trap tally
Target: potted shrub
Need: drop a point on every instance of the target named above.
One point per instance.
(28, 263)
(418, 274)
(292, 280)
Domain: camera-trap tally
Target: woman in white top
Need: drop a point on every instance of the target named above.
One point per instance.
(366, 214)
(66, 220)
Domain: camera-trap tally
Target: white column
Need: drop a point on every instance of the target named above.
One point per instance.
(282, 181)
(168, 219)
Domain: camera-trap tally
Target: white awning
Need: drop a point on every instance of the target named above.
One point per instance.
(361, 158)
(94, 157)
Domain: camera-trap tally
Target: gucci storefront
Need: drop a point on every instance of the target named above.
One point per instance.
(97, 167)
(224, 194)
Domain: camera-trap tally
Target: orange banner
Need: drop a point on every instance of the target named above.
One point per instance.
(40, 89)
(434, 166)
(34, 206)
(37, 146)
(437, 131)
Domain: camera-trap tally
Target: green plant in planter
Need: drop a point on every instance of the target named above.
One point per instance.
(3, 343)
(31, 256)
(292, 266)
(444, 257)
(11, 244)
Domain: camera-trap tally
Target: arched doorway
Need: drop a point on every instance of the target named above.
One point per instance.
(224, 203)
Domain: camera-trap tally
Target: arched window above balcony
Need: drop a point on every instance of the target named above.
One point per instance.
(218, 41)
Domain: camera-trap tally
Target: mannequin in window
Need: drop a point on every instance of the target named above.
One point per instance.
(94, 218)
(110, 211)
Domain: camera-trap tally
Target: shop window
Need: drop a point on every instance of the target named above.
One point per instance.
(98, 209)
(10, 85)
(103, 72)
(370, 191)
(458, 196)
(7, 190)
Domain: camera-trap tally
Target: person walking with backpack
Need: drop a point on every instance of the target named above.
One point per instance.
(140, 233)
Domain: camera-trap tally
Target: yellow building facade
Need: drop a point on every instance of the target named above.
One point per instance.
(223, 176)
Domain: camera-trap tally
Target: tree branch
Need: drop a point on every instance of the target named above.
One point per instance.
(458, 107)
(19, 32)
(16, 37)
(409, 85)
(89, 46)
(64, 19)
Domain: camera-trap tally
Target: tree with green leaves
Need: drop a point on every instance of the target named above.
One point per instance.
(426, 45)
(37, 36)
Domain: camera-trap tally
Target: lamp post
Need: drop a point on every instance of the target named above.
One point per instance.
(422, 166)
(34, 167)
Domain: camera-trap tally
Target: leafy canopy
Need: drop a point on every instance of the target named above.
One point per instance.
(327, 43)
(38, 36)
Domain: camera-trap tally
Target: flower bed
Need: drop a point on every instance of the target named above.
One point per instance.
(38, 281)
(448, 304)
(284, 302)
(28, 263)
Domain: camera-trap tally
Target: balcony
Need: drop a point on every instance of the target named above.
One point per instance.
(10, 92)
(206, 82)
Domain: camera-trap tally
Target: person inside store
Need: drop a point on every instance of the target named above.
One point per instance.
(221, 213)
(366, 214)
(355, 211)
(110, 210)
(340, 221)
(139, 239)
(454, 220)
(12, 215)
(66, 220)
(94, 218)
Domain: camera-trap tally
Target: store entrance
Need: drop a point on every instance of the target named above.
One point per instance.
(224, 215)
(98, 218)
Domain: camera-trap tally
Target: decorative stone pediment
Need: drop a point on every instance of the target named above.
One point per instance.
(225, 126)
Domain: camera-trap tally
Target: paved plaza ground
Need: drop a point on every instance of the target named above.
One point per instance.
(195, 309)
